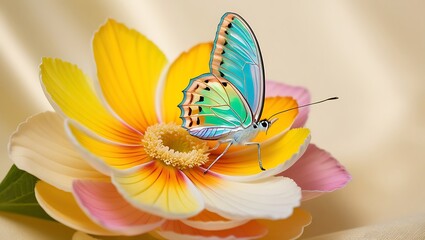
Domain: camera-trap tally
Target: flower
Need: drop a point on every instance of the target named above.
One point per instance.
(113, 160)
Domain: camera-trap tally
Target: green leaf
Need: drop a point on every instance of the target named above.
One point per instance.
(17, 194)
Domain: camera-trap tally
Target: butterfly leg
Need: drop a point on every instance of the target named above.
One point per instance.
(215, 147)
(259, 154)
(219, 156)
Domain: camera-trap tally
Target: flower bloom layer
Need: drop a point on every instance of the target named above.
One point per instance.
(113, 159)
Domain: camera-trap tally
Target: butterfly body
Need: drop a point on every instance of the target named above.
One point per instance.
(245, 135)
(226, 103)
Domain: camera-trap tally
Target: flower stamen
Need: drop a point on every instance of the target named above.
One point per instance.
(174, 146)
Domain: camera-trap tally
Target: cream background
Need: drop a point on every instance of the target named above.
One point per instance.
(369, 53)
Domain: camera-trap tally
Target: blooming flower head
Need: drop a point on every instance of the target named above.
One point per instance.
(113, 159)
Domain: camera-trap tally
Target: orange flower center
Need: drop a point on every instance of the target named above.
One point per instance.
(174, 146)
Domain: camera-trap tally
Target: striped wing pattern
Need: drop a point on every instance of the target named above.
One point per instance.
(213, 108)
(236, 57)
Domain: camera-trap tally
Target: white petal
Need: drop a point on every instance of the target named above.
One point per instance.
(41, 147)
(269, 198)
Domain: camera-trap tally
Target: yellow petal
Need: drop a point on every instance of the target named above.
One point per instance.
(276, 155)
(211, 221)
(273, 105)
(187, 66)
(160, 190)
(41, 147)
(61, 206)
(105, 155)
(178, 230)
(129, 66)
(70, 92)
(290, 228)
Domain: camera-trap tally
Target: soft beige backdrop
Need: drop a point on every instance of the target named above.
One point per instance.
(369, 53)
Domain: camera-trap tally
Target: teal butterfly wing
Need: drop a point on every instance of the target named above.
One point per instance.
(231, 97)
(236, 56)
(213, 108)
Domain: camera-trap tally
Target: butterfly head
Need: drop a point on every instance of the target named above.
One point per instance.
(264, 124)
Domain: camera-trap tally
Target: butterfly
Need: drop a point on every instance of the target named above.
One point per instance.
(226, 103)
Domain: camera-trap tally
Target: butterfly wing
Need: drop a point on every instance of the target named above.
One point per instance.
(212, 108)
(236, 57)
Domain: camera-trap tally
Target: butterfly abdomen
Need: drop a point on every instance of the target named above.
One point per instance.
(246, 135)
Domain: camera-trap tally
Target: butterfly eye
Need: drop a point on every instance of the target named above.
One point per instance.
(264, 124)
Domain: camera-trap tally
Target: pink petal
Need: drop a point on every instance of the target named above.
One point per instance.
(104, 205)
(317, 171)
(63, 207)
(298, 93)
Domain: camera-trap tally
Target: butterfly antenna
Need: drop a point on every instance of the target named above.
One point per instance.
(290, 109)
